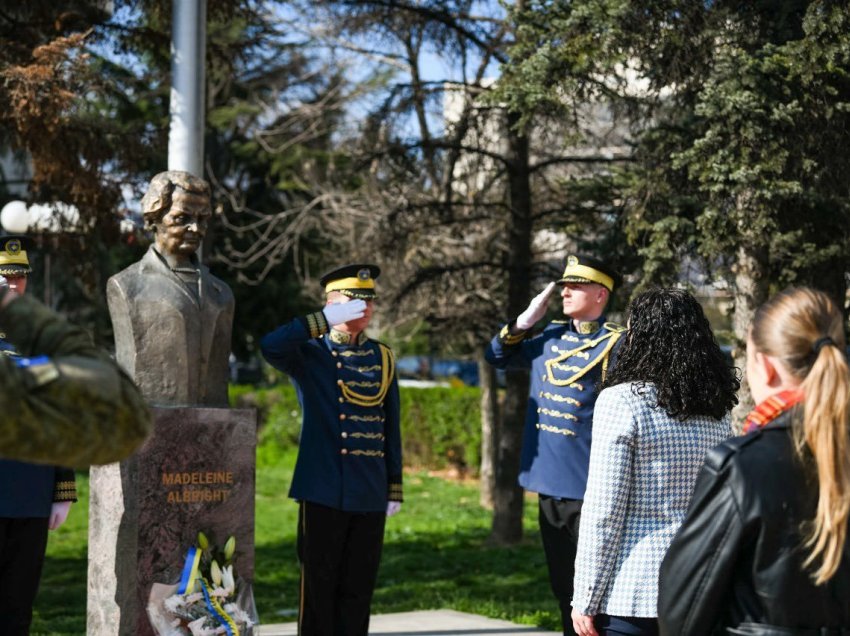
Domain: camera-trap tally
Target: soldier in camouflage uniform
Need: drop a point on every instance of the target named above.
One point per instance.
(34, 498)
(65, 401)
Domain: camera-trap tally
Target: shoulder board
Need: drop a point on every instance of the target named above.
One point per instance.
(720, 454)
(381, 345)
(615, 327)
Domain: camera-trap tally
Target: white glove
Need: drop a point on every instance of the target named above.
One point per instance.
(58, 514)
(393, 507)
(536, 309)
(338, 313)
(3, 282)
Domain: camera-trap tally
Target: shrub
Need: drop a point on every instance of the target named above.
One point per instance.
(441, 426)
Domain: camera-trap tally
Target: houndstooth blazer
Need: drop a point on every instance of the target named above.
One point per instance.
(643, 467)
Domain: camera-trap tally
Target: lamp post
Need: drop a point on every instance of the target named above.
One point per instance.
(15, 217)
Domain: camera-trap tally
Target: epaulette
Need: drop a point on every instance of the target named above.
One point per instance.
(720, 454)
(383, 345)
(615, 327)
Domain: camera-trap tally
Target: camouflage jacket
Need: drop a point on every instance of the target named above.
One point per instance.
(65, 401)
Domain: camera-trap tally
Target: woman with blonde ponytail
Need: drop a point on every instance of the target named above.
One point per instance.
(764, 549)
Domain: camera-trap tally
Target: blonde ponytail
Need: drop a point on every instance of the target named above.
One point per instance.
(803, 328)
(824, 433)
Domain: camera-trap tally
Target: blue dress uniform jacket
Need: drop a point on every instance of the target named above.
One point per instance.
(565, 367)
(349, 457)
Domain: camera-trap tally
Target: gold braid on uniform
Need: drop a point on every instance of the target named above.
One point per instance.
(396, 492)
(387, 373)
(65, 491)
(509, 338)
(317, 324)
(612, 338)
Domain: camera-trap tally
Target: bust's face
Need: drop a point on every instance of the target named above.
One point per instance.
(182, 227)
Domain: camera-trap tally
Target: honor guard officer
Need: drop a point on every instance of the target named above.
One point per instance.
(567, 361)
(348, 475)
(33, 497)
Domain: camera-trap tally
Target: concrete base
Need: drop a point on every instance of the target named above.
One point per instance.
(195, 473)
(428, 623)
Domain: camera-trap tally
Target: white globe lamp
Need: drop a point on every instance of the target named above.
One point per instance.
(15, 217)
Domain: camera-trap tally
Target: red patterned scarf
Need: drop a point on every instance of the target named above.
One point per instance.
(771, 408)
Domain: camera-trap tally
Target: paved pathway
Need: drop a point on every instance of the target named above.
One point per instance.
(428, 623)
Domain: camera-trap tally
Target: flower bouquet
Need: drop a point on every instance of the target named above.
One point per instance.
(209, 600)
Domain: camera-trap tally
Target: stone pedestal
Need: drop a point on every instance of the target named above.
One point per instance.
(195, 473)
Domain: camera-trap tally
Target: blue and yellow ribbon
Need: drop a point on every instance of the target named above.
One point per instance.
(218, 612)
(190, 570)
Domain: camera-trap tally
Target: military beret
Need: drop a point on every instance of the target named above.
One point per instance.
(586, 269)
(13, 255)
(355, 280)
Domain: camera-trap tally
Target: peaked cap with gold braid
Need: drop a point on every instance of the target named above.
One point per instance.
(13, 255)
(355, 280)
(585, 269)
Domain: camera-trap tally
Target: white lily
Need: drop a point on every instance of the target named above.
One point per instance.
(215, 572)
(227, 579)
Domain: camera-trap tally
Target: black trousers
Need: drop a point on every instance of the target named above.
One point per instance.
(339, 553)
(559, 521)
(22, 546)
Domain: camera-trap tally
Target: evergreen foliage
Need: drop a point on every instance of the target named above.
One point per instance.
(740, 124)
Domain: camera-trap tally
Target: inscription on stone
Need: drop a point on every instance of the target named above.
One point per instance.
(206, 486)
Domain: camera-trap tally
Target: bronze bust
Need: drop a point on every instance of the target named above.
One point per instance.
(172, 319)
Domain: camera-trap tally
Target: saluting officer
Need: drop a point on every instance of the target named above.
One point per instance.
(348, 475)
(567, 361)
(33, 497)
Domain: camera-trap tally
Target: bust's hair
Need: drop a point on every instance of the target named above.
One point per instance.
(671, 346)
(157, 199)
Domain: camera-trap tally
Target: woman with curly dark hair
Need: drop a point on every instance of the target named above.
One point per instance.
(663, 406)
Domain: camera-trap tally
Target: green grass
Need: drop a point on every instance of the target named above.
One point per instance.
(435, 556)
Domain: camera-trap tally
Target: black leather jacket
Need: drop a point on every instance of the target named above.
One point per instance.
(735, 566)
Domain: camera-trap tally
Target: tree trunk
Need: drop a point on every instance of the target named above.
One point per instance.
(489, 419)
(751, 289)
(507, 496)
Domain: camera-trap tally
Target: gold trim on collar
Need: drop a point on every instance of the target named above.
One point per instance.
(587, 328)
(343, 338)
